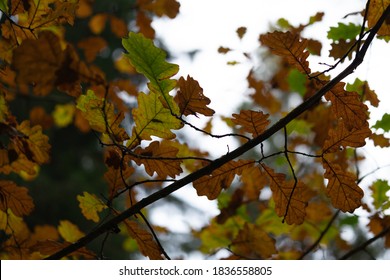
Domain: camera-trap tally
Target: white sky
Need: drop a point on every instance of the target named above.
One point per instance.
(205, 25)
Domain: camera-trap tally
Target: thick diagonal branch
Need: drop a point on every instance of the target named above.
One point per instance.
(229, 156)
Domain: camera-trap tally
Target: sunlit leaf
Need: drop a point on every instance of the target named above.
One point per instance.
(90, 206)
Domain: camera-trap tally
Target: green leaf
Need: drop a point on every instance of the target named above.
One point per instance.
(153, 119)
(384, 123)
(379, 189)
(343, 31)
(4, 5)
(296, 81)
(149, 60)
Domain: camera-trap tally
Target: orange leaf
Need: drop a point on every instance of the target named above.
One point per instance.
(253, 242)
(221, 178)
(289, 46)
(191, 99)
(347, 105)
(252, 121)
(340, 136)
(118, 27)
(169, 8)
(16, 198)
(160, 158)
(98, 23)
(342, 189)
(147, 245)
(290, 202)
(36, 62)
(92, 46)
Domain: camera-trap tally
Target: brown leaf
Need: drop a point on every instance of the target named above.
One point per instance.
(146, 244)
(252, 121)
(92, 46)
(380, 140)
(160, 158)
(16, 198)
(221, 178)
(340, 136)
(161, 8)
(36, 62)
(191, 99)
(290, 202)
(347, 105)
(290, 46)
(375, 10)
(342, 189)
(254, 242)
(116, 179)
(340, 48)
(241, 31)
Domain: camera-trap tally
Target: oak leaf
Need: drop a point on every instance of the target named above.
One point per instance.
(169, 8)
(347, 105)
(290, 46)
(16, 198)
(150, 61)
(153, 119)
(69, 231)
(90, 206)
(253, 241)
(290, 201)
(159, 157)
(363, 89)
(50, 247)
(251, 121)
(379, 193)
(342, 188)
(340, 136)
(375, 10)
(147, 245)
(37, 61)
(380, 140)
(92, 46)
(101, 116)
(190, 98)
(221, 178)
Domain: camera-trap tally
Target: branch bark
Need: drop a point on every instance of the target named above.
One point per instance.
(229, 156)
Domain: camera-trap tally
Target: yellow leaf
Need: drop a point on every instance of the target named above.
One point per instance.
(90, 206)
(63, 114)
(69, 231)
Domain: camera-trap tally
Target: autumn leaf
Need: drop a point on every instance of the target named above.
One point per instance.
(375, 10)
(147, 245)
(241, 32)
(223, 50)
(190, 98)
(338, 48)
(69, 231)
(92, 46)
(97, 23)
(169, 8)
(115, 178)
(362, 88)
(340, 136)
(90, 206)
(37, 61)
(380, 140)
(342, 189)
(212, 185)
(159, 157)
(101, 116)
(150, 61)
(16, 198)
(253, 241)
(49, 247)
(63, 114)
(251, 121)
(289, 46)
(347, 105)
(290, 202)
(153, 119)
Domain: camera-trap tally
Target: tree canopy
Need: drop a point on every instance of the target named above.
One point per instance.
(94, 123)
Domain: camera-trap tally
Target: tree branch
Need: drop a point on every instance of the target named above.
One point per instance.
(229, 156)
